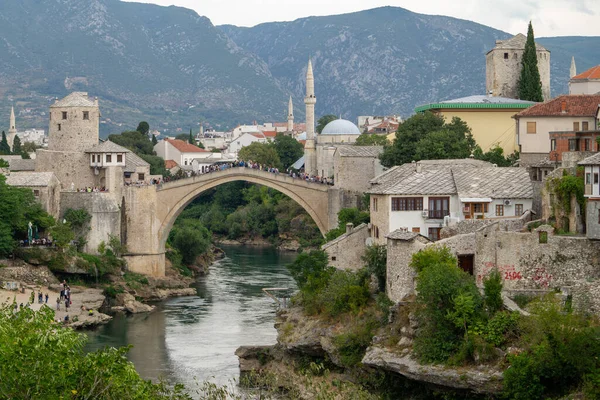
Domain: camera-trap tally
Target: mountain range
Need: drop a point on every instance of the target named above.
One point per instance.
(174, 68)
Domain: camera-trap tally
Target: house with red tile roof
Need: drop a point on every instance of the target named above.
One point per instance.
(179, 151)
(587, 82)
(574, 114)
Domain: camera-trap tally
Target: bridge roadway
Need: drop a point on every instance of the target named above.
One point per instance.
(151, 211)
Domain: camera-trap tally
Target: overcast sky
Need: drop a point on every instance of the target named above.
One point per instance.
(549, 17)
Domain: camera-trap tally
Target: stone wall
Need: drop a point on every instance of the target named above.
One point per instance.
(346, 251)
(69, 167)
(75, 133)
(592, 209)
(354, 173)
(399, 274)
(338, 199)
(105, 212)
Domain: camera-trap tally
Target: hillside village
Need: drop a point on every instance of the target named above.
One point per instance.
(537, 221)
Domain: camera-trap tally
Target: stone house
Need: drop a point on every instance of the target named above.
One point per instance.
(111, 161)
(355, 166)
(587, 82)
(489, 117)
(425, 196)
(346, 251)
(592, 194)
(178, 150)
(45, 187)
(547, 130)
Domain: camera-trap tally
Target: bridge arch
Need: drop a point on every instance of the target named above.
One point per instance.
(152, 210)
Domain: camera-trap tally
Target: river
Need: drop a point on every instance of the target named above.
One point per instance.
(192, 339)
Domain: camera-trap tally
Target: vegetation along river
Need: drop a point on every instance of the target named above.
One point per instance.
(194, 338)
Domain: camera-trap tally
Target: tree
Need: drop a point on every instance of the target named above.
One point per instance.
(29, 147)
(375, 260)
(157, 164)
(324, 120)
(143, 128)
(62, 234)
(182, 136)
(191, 238)
(345, 216)
(134, 141)
(496, 156)
(288, 149)
(530, 84)
(154, 140)
(262, 153)
(191, 138)
(17, 146)
(428, 136)
(372, 140)
(4, 147)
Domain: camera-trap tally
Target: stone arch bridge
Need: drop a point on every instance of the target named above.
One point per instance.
(150, 211)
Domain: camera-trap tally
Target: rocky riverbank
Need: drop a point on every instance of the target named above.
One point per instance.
(291, 245)
(302, 337)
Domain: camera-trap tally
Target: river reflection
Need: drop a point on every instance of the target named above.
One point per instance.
(194, 338)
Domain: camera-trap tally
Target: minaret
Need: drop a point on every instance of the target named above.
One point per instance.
(573, 68)
(12, 129)
(310, 155)
(290, 126)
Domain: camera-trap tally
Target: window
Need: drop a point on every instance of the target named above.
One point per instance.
(140, 177)
(416, 229)
(518, 210)
(595, 178)
(531, 128)
(109, 158)
(407, 203)
(575, 126)
(480, 207)
(499, 210)
(439, 207)
(572, 144)
(119, 157)
(59, 127)
(588, 178)
(36, 193)
(64, 115)
(374, 203)
(333, 258)
(434, 234)
(585, 126)
(506, 56)
(552, 144)
(587, 145)
(86, 115)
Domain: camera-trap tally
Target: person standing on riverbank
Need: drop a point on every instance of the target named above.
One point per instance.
(58, 303)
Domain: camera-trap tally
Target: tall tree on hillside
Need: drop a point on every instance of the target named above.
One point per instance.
(154, 140)
(530, 84)
(143, 127)
(324, 120)
(191, 138)
(17, 146)
(288, 149)
(4, 147)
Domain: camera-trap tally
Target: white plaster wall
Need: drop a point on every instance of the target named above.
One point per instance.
(592, 190)
(415, 219)
(246, 139)
(539, 142)
(585, 87)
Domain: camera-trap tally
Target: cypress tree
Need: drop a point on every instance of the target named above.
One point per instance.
(530, 84)
(4, 147)
(17, 146)
(154, 140)
(191, 139)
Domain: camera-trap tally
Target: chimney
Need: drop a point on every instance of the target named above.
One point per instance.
(563, 106)
(349, 227)
(419, 168)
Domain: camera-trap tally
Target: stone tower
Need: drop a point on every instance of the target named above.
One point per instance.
(73, 128)
(290, 125)
(573, 70)
(12, 129)
(310, 155)
(503, 67)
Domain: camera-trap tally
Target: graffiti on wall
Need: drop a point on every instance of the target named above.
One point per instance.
(509, 273)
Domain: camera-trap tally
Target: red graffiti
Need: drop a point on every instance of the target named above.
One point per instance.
(508, 272)
(541, 277)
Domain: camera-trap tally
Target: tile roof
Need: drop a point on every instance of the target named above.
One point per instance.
(487, 100)
(493, 182)
(30, 179)
(133, 161)
(591, 160)
(270, 134)
(434, 178)
(170, 164)
(20, 164)
(75, 99)
(592, 73)
(576, 105)
(108, 147)
(185, 147)
(359, 151)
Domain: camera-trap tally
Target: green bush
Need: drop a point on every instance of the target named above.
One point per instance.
(492, 286)
(345, 292)
(351, 346)
(112, 291)
(375, 259)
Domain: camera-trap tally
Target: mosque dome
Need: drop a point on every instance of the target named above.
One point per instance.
(340, 127)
